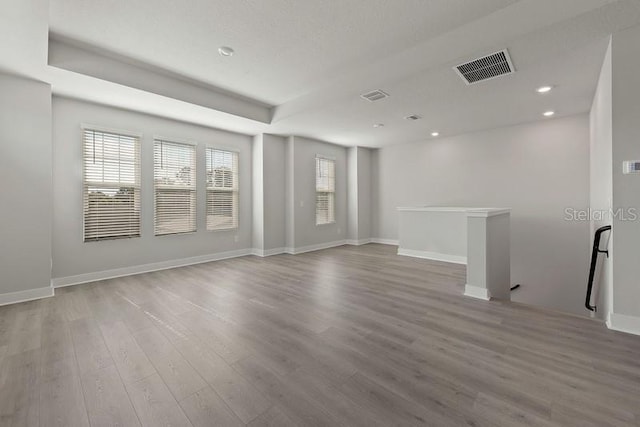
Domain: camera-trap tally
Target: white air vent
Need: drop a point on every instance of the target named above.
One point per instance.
(374, 95)
(486, 68)
(413, 117)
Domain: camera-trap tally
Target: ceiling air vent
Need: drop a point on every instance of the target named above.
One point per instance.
(486, 68)
(374, 95)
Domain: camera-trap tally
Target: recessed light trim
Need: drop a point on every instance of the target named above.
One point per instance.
(434, 134)
(226, 51)
(412, 117)
(544, 89)
(378, 125)
(548, 113)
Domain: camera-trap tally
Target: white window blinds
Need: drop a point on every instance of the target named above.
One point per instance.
(222, 189)
(174, 180)
(111, 181)
(325, 191)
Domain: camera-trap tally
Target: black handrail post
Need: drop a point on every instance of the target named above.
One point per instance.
(594, 260)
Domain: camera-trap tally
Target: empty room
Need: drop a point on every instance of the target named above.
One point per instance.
(319, 213)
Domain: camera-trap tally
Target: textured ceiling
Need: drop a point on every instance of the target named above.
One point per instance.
(311, 59)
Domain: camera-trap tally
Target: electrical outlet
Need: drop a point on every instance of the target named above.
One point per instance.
(302, 203)
(236, 238)
(339, 230)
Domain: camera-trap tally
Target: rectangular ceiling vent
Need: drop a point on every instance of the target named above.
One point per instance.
(486, 68)
(374, 95)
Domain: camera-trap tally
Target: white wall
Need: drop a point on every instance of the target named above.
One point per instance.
(301, 193)
(25, 173)
(536, 169)
(601, 186)
(625, 54)
(72, 257)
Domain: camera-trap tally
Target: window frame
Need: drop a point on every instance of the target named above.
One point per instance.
(235, 192)
(85, 184)
(194, 146)
(331, 215)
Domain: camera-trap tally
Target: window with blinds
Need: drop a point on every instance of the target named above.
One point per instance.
(174, 178)
(111, 181)
(325, 191)
(222, 189)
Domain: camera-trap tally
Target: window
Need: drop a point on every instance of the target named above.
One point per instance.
(111, 182)
(174, 178)
(325, 191)
(222, 189)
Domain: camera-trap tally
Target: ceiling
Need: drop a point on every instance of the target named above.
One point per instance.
(309, 61)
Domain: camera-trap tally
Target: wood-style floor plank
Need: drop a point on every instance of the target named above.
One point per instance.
(154, 403)
(350, 336)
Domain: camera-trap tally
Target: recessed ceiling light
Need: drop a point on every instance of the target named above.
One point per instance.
(225, 51)
(378, 125)
(413, 117)
(548, 113)
(435, 133)
(544, 89)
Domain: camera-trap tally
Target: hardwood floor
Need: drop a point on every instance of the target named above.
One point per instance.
(351, 336)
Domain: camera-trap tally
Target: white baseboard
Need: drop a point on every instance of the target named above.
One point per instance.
(477, 292)
(268, 252)
(384, 241)
(360, 242)
(311, 248)
(60, 282)
(624, 323)
(23, 296)
(435, 256)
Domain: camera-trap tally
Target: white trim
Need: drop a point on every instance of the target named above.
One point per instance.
(268, 252)
(60, 282)
(311, 248)
(436, 256)
(477, 292)
(624, 323)
(358, 242)
(28, 295)
(158, 138)
(486, 213)
(98, 128)
(384, 241)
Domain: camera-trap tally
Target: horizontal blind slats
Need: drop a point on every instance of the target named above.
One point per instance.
(222, 189)
(111, 175)
(325, 190)
(174, 187)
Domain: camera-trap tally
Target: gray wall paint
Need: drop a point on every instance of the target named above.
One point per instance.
(274, 153)
(364, 193)
(71, 256)
(352, 193)
(302, 205)
(537, 169)
(25, 173)
(257, 195)
(601, 186)
(626, 188)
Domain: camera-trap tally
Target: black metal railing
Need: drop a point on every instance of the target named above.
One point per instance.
(594, 261)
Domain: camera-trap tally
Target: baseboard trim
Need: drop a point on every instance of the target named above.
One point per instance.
(268, 252)
(360, 242)
(24, 296)
(384, 241)
(317, 247)
(476, 292)
(624, 323)
(435, 256)
(60, 282)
